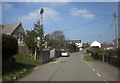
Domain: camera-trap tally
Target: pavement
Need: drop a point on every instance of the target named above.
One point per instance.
(73, 68)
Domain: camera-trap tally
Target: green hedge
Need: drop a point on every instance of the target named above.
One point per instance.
(9, 46)
(111, 56)
(97, 53)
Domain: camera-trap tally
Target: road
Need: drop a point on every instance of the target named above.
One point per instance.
(72, 68)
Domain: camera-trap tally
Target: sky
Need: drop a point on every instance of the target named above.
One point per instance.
(86, 21)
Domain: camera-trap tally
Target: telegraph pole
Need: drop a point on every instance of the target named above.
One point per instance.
(116, 29)
(41, 17)
(42, 35)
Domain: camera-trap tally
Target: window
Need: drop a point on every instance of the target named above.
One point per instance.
(18, 39)
(21, 39)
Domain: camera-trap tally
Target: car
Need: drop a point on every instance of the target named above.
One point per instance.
(65, 54)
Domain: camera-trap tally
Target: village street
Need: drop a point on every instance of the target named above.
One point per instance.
(73, 68)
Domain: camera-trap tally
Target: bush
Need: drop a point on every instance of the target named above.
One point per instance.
(72, 47)
(97, 53)
(9, 46)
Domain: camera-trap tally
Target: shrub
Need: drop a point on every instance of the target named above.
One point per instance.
(72, 47)
(97, 53)
(9, 46)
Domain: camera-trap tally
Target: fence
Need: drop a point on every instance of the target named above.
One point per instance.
(115, 61)
(45, 57)
(110, 57)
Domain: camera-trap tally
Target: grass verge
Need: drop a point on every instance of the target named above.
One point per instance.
(18, 67)
(89, 58)
(85, 53)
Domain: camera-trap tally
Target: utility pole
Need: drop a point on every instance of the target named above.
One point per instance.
(39, 30)
(42, 35)
(41, 17)
(116, 29)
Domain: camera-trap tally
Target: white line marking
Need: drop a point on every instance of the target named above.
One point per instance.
(98, 74)
(93, 69)
(105, 81)
(90, 66)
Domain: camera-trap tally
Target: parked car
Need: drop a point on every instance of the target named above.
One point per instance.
(65, 54)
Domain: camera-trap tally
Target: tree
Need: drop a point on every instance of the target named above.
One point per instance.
(9, 46)
(30, 41)
(40, 33)
(57, 39)
(72, 47)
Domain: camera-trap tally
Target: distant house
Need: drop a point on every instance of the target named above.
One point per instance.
(95, 44)
(106, 46)
(78, 43)
(16, 30)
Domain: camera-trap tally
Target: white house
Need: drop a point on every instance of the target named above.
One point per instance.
(78, 43)
(95, 44)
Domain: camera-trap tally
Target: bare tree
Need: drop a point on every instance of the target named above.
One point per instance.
(57, 38)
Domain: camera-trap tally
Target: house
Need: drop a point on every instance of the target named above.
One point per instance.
(106, 46)
(95, 44)
(16, 30)
(78, 43)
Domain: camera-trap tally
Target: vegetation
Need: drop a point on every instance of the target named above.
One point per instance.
(97, 53)
(85, 53)
(32, 41)
(25, 60)
(89, 58)
(9, 46)
(56, 40)
(110, 56)
(72, 47)
(29, 39)
(19, 67)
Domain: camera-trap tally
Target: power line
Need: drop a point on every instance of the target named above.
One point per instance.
(85, 24)
(111, 26)
(51, 20)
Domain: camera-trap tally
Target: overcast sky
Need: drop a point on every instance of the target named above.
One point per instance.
(87, 21)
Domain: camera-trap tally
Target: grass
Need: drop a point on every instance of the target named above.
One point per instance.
(89, 58)
(26, 60)
(85, 53)
(17, 69)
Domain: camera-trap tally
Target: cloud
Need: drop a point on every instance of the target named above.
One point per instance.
(32, 17)
(35, 15)
(82, 12)
(7, 6)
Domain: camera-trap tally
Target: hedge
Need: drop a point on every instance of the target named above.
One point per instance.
(9, 46)
(111, 56)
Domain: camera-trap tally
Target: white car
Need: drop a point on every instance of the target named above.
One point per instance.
(64, 53)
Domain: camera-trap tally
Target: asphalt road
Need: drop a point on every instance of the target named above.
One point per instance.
(71, 68)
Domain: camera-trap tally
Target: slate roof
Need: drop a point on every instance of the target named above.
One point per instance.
(9, 28)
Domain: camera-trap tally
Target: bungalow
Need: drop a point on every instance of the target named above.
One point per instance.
(16, 30)
(95, 44)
